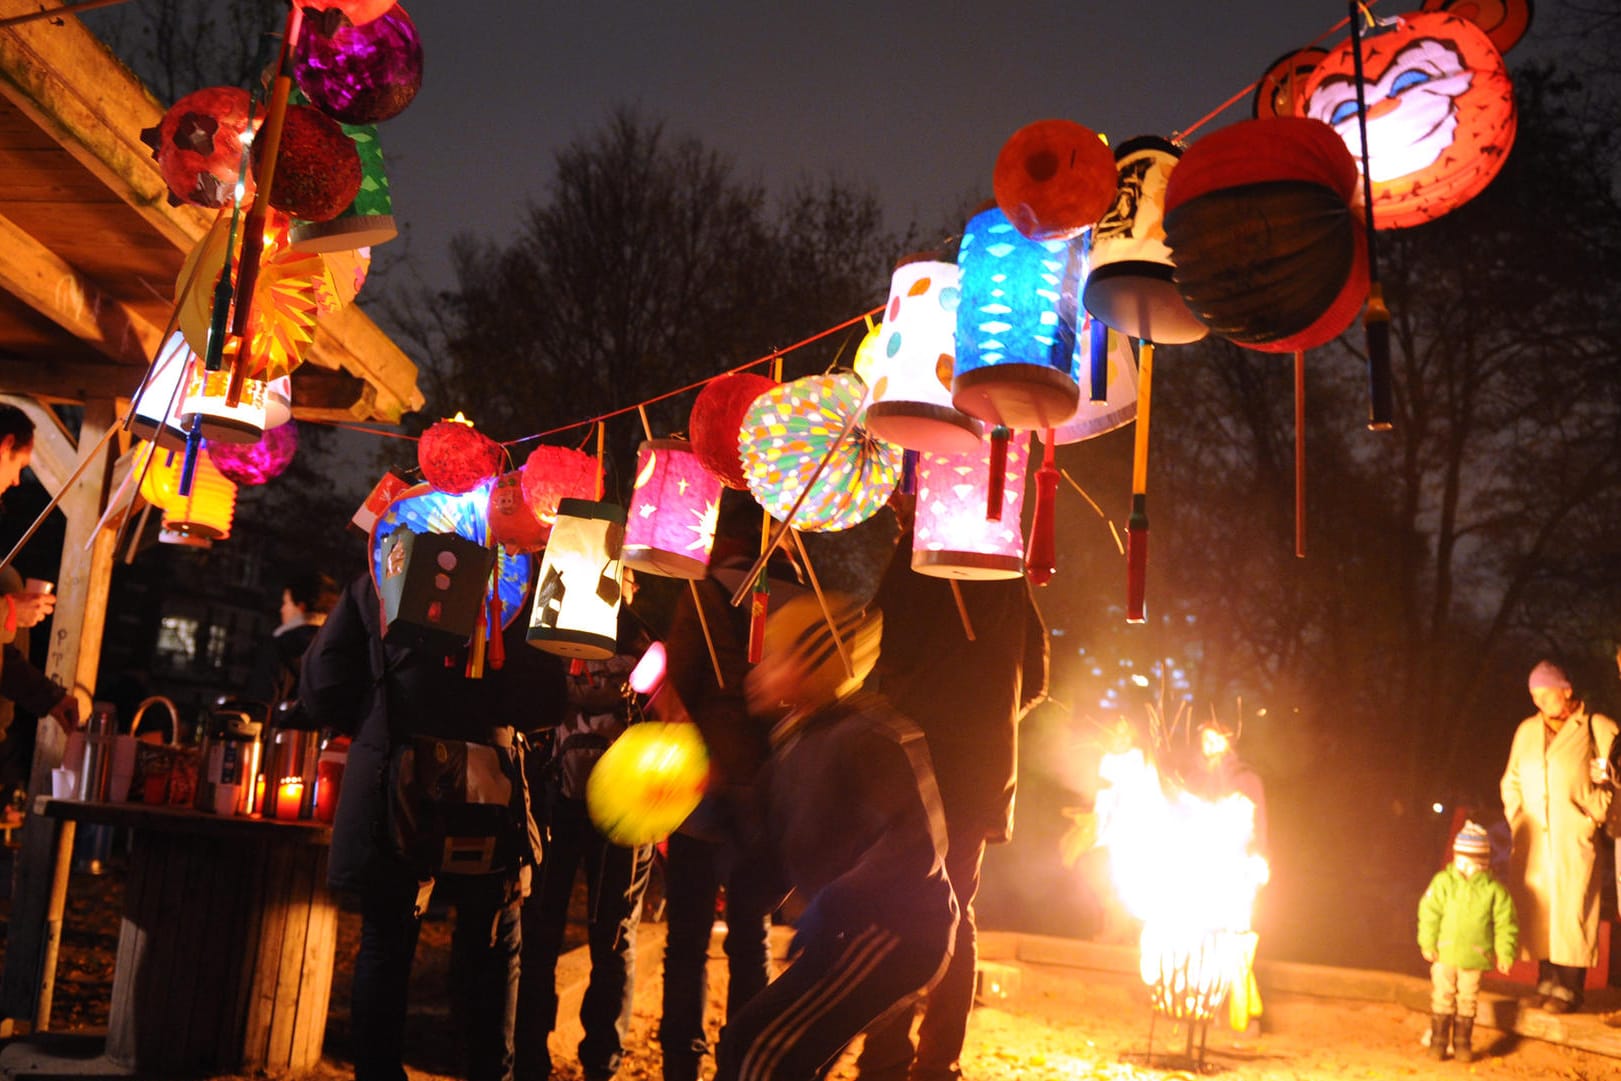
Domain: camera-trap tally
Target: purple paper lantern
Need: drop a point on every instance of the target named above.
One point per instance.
(257, 463)
(360, 74)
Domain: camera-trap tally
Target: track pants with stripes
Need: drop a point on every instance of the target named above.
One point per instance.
(836, 987)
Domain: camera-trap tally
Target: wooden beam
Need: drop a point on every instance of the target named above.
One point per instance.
(45, 282)
(351, 341)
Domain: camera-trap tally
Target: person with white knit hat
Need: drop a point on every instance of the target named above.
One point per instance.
(1466, 925)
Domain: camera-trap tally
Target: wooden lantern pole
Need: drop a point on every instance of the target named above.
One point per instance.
(1137, 524)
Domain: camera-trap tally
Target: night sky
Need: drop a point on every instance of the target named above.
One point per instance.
(914, 99)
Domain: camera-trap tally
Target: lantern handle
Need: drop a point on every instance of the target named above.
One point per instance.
(827, 612)
(709, 639)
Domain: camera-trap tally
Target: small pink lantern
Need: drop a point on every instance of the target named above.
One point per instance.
(952, 538)
(673, 508)
(456, 457)
(257, 463)
(552, 474)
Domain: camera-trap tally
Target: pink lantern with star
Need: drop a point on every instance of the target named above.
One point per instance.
(673, 507)
(951, 535)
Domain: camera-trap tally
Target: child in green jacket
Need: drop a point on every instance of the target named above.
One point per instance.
(1466, 924)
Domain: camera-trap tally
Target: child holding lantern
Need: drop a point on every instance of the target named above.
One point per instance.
(1466, 923)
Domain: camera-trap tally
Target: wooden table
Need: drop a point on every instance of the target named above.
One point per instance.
(225, 951)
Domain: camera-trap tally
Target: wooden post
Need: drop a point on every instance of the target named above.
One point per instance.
(76, 629)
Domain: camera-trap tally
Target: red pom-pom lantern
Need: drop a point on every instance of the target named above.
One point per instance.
(1053, 179)
(257, 463)
(198, 145)
(553, 474)
(318, 170)
(361, 74)
(456, 457)
(1440, 114)
(358, 12)
(1270, 253)
(717, 419)
(512, 524)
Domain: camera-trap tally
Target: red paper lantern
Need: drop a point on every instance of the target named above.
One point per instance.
(1440, 114)
(198, 146)
(1270, 252)
(717, 417)
(552, 474)
(358, 12)
(512, 524)
(1053, 179)
(456, 457)
(318, 170)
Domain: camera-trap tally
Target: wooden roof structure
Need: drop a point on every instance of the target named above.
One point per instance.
(90, 246)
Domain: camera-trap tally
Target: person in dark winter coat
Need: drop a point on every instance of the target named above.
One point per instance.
(966, 687)
(853, 820)
(411, 711)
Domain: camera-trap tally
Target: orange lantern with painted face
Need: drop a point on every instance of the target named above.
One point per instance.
(1440, 114)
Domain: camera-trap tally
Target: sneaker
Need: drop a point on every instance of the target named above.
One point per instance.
(1557, 1005)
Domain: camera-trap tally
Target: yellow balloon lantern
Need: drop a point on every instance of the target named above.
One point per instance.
(648, 782)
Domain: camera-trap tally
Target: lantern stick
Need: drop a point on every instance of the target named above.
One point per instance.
(65, 9)
(827, 612)
(709, 640)
(1300, 454)
(1098, 342)
(1376, 318)
(776, 537)
(135, 536)
(498, 645)
(602, 431)
(475, 652)
(57, 498)
(1137, 524)
(962, 609)
(1041, 560)
(1075, 484)
(647, 428)
(253, 239)
(996, 481)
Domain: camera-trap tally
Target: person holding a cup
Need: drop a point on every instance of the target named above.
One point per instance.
(1556, 797)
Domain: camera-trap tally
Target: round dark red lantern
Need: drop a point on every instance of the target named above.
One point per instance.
(456, 457)
(1270, 252)
(1053, 179)
(361, 74)
(318, 170)
(198, 145)
(717, 418)
(1440, 114)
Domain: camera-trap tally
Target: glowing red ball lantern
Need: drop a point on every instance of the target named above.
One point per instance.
(456, 457)
(1440, 114)
(318, 169)
(198, 145)
(361, 74)
(553, 474)
(717, 418)
(1053, 179)
(1270, 253)
(358, 12)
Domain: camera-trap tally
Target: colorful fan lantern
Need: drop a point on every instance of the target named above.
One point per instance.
(646, 784)
(717, 419)
(1270, 252)
(1053, 179)
(803, 447)
(1440, 114)
(553, 474)
(456, 457)
(358, 12)
(360, 74)
(1111, 401)
(364, 223)
(293, 290)
(1505, 21)
(427, 511)
(1015, 364)
(673, 510)
(1128, 283)
(198, 146)
(156, 417)
(317, 168)
(916, 352)
(512, 524)
(257, 463)
(196, 519)
(1279, 91)
(576, 611)
(951, 536)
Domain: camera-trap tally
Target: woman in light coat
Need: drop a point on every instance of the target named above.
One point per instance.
(1555, 799)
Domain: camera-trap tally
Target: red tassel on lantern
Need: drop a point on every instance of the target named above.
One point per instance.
(1041, 561)
(1137, 561)
(759, 603)
(497, 654)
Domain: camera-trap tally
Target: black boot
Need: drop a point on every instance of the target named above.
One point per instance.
(1440, 1033)
(1460, 1040)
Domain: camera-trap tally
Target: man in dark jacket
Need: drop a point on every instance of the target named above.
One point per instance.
(965, 677)
(400, 704)
(854, 822)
